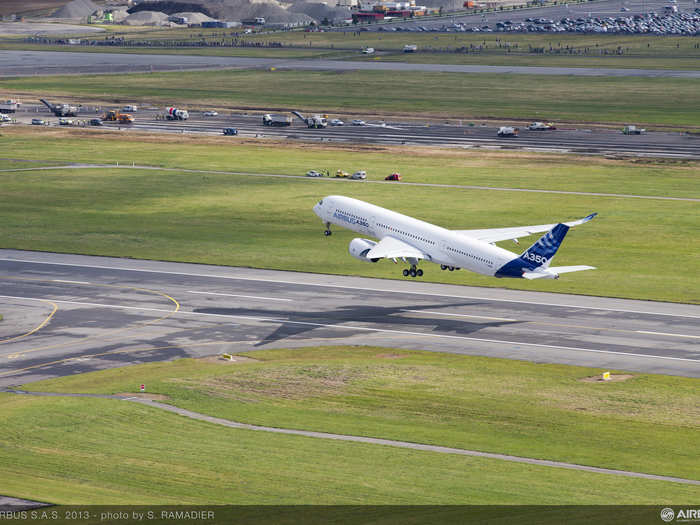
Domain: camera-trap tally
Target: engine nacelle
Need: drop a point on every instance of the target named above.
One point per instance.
(359, 248)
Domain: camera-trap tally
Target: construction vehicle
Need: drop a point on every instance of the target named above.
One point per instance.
(633, 130)
(342, 174)
(10, 106)
(315, 121)
(541, 126)
(5, 118)
(115, 116)
(61, 110)
(508, 131)
(176, 114)
(276, 120)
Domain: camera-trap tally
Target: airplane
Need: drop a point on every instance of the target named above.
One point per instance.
(412, 240)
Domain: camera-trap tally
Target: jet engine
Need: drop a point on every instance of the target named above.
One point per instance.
(359, 248)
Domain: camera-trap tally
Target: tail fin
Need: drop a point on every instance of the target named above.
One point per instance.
(542, 252)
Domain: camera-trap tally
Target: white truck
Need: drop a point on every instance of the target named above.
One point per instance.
(508, 131)
(541, 126)
(633, 130)
(315, 121)
(176, 114)
(10, 106)
(273, 120)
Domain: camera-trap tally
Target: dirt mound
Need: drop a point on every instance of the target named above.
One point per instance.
(146, 18)
(194, 18)
(319, 11)
(171, 8)
(76, 9)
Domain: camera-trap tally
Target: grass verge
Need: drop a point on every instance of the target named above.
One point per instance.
(644, 424)
(459, 95)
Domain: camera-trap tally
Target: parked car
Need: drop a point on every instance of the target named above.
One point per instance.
(394, 176)
(38, 122)
(65, 122)
(359, 175)
(210, 114)
(314, 173)
(337, 122)
(130, 108)
(95, 122)
(358, 122)
(230, 131)
(5, 118)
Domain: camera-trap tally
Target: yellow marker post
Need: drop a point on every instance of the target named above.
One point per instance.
(606, 376)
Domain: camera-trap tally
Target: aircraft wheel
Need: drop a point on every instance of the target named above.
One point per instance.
(452, 268)
(405, 273)
(412, 272)
(443, 267)
(420, 273)
(327, 233)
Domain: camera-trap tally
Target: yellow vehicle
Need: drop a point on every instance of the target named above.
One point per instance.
(341, 173)
(115, 116)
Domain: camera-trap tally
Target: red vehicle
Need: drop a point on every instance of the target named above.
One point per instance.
(394, 176)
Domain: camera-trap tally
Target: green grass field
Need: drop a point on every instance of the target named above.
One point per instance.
(233, 219)
(70, 450)
(617, 100)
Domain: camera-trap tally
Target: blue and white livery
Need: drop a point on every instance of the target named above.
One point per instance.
(413, 240)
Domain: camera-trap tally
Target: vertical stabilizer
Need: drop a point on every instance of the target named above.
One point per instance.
(539, 255)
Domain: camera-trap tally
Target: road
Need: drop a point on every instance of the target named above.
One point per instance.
(453, 134)
(67, 314)
(27, 63)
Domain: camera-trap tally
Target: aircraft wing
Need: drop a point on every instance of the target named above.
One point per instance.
(391, 248)
(503, 234)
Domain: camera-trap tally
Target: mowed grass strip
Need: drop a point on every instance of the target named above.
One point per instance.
(78, 451)
(434, 165)
(640, 100)
(644, 424)
(263, 222)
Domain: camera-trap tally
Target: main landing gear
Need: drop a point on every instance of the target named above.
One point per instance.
(445, 267)
(328, 230)
(413, 272)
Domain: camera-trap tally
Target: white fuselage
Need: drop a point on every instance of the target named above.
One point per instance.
(441, 246)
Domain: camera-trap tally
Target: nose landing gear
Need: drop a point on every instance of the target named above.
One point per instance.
(413, 272)
(328, 230)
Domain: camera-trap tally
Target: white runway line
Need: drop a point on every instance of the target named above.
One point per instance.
(245, 296)
(670, 335)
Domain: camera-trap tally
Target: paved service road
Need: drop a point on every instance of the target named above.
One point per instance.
(20, 63)
(66, 314)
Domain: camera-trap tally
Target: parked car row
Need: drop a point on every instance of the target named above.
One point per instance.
(358, 175)
(669, 23)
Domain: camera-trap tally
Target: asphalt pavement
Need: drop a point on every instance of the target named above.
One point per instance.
(67, 314)
(27, 63)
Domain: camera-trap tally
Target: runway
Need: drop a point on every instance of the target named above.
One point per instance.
(67, 314)
(27, 63)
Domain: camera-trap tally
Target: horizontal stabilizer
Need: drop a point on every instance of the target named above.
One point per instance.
(554, 272)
